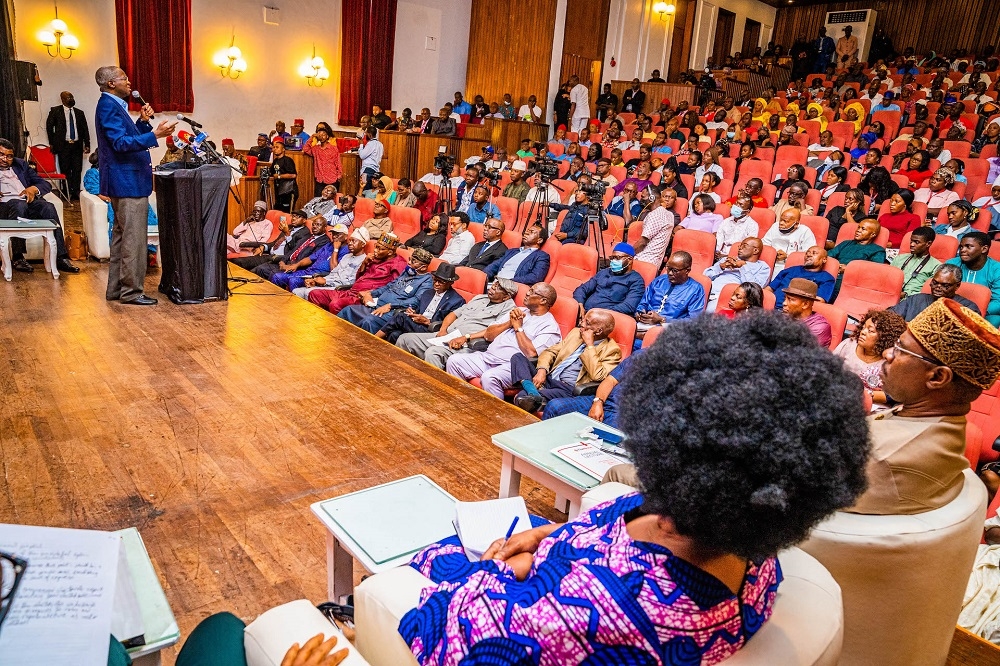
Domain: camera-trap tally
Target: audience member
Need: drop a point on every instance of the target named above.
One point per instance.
(527, 264)
(575, 224)
(343, 212)
(405, 198)
(978, 268)
(862, 351)
(343, 269)
(918, 266)
(431, 237)
(291, 233)
(943, 361)
(670, 297)
(812, 268)
(529, 330)
(617, 287)
(322, 203)
(251, 232)
(657, 229)
(327, 169)
(283, 175)
(319, 262)
(796, 200)
(378, 269)
(738, 226)
(531, 112)
(462, 240)
(262, 151)
(489, 249)
(381, 224)
(961, 215)
(860, 248)
(800, 294)
(431, 309)
(517, 188)
(747, 296)
(945, 282)
(425, 201)
(403, 293)
(746, 266)
(939, 193)
(788, 236)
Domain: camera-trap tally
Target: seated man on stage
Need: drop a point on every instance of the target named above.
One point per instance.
(587, 354)
(319, 261)
(470, 323)
(343, 270)
(527, 264)
(323, 204)
(252, 232)
(291, 233)
(377, 270)
(402, 293)
(299, 257)
(529, 330)
(21, 195)
(434, 305)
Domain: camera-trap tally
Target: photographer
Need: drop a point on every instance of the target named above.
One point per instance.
(574, 226)
(286, 189)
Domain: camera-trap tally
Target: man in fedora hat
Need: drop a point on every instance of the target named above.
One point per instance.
(800, 294)
(944, 360)
(402, 293)
(434, 305)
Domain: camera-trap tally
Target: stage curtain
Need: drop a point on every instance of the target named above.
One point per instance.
(368, 37)
(154, 49)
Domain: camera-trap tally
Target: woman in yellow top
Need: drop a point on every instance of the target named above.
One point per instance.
(759, 114)
(384, 191)
(814, 111)
(855, 113)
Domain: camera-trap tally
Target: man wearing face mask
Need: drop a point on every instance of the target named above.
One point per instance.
(69, 137)
(617, 287)
(736, 227)
(788, 236)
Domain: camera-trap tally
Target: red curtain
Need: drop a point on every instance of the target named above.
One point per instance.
(368, 37)
(154, 49)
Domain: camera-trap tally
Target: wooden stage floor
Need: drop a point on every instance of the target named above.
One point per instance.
(212, 428)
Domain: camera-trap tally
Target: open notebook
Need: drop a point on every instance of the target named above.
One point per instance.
(481, 523)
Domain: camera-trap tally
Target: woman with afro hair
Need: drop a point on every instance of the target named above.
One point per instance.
(862, 352)
(659, 575)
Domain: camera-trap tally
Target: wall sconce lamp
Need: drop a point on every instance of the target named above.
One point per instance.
(230, 62)
(663, 9)
(57, 35)
(314, 70)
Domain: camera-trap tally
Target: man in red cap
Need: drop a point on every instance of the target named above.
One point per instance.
(237, 162)
(298, 125)
(173, 154)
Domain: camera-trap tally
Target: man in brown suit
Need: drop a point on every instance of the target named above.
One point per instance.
(947, 357)
(585, 355)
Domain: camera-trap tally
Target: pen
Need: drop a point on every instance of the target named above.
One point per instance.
(510, 531)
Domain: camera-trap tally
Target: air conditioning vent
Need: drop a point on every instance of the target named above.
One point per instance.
(848, 17)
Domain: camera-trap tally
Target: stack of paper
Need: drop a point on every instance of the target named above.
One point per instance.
(479, 524)
(588, 458)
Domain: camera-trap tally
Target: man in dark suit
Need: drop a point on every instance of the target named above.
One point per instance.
(634, 98)
(489, 249)
(69, 138)
(21, 192)
(434, 305)
(527, 264)
(127, 178)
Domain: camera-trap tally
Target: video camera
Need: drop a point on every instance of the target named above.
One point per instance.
(264, 173)
(446, 163)
(492, 175)
(595, 191)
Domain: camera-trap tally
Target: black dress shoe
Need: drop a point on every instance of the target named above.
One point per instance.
(142, 300)
(22, 265)
(528, 403)
(66, 266)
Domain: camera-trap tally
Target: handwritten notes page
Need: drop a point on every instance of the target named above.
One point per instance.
(61, 613)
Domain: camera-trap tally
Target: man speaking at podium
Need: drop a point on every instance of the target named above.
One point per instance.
(127, 178)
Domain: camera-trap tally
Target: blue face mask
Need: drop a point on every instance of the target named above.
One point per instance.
(737, 211)
(617, 265)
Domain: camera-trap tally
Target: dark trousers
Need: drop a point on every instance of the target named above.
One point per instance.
(39, 209)
(399, 323)
(521, 368)
(216, 641)
(250, 263)
(266, 269)
(71, 166)
(129, 240)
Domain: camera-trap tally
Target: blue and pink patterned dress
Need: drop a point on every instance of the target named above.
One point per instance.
(593, 596)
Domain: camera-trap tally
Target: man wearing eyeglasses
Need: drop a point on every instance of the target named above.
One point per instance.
(944, 284)
(945, 359)
(671, 296)
(127, 178)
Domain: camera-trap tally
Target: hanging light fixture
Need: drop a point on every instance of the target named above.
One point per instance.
(230, 62)
(314, 70)
(57, 36)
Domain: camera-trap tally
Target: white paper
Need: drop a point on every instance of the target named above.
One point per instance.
(588, 458)
(61, 613)
(479, 524)
(445, 339)
(126, 614)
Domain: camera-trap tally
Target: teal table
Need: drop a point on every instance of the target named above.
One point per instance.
(28, 229)
(528, 450)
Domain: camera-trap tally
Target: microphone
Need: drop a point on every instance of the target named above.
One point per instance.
(193, 140)
(137, 97)
(194, 124)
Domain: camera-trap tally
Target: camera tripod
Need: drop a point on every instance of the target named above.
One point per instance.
(540, 206)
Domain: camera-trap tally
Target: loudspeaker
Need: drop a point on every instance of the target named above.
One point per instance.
(24, 80)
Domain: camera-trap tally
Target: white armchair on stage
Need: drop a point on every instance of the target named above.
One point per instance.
(95, 225)
(903, 577)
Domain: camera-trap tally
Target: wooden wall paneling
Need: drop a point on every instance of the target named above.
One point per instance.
(675, 92)
(508, 133)
(584, 41)
(400, 154)
(680, 45)
(923, 24)
(511, 51)
(427, 150)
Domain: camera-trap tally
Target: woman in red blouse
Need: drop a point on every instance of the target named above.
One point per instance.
(918, 169)
(899, 220)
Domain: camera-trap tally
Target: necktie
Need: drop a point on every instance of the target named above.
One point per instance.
(301, 248)
(483, 249)
(570, 360)
(72, 125)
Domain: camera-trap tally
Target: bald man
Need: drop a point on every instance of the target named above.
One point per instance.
(813, 268)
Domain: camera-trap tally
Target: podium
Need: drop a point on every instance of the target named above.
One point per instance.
(191, 207)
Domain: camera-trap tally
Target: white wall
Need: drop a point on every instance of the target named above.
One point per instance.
(271, 88)
(638, 39)
(423, 77)
(706, 19)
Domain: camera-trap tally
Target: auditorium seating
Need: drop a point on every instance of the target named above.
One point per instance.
(699, 244)
(727, 292)
(577, 264)
(832, 266)
(977, 293)
(837, 317)
(869, 285)
(943, 248)
(847, 230)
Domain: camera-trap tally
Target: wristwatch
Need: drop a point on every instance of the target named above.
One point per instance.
(596, 399)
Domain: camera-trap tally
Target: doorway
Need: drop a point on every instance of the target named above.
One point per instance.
(723, 37)
(751, 37)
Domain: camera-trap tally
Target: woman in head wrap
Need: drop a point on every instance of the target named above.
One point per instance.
(384, 190)
(814, 111)
(989, 137)
(855, 113)
(759, 114)
(938, 193)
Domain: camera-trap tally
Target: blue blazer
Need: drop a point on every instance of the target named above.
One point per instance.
(450, 301)
(29, 177)
(123, 151)
(532, 270)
